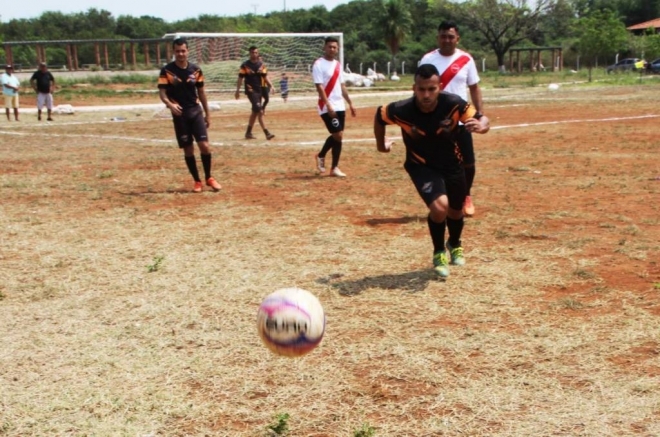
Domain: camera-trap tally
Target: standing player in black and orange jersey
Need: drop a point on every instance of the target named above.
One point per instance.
(252, 71)
(429, 124)
(181, 88)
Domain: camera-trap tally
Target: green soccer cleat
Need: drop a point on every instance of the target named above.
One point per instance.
(456, 254)
(441, 264)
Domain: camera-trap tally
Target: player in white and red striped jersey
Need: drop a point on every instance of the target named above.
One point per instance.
(458, 73)
(329, 82)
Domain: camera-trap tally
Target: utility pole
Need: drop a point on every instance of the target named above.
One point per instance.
(255, 6)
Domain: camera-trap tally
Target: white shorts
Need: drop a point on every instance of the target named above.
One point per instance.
(44, 99)
(11, 101)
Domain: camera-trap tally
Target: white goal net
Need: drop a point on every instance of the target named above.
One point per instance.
(221, 54)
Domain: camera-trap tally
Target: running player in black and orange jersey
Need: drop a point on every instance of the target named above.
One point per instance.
(252, 72)
(429, 124)
(181, 88)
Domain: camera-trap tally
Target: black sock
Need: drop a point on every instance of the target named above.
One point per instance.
(336, 152)
(455, 228)
(206, 163)
(469, 177)
(437, 231)
(191, 162)
(249, 130)
(326, 146)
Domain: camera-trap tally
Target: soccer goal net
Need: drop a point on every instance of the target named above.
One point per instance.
(221, 54)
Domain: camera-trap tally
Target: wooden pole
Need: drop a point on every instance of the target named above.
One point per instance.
(69, 64)
(145, 48)
(97, 54)
(158, 54)
(75, 56)
(105, 56)
(123, 55)
(8, 54)
(133, 56)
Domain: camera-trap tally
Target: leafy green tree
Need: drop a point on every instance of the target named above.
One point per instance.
(599, 34)
(557, 23)
(143, 27)
(645, 46)
(394, 22)
(632, 11)
(502, 24)
(652, 46)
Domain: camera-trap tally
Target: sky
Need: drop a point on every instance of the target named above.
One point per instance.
(168, 10)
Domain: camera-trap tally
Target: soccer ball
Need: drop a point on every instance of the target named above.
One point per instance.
(291, 322)
(553, 86)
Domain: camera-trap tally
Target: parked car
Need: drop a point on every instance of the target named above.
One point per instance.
(627, 64)
(654, 66)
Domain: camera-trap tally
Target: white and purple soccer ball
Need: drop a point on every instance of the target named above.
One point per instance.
(291, 322)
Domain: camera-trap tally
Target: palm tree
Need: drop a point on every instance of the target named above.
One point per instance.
(394, 23)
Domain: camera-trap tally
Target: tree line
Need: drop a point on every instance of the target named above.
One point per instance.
(397, 31)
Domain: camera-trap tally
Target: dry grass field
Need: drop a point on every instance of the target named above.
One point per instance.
(128, 303)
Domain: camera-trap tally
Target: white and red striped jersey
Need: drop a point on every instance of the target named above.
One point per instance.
(461, 76)
(322, 73)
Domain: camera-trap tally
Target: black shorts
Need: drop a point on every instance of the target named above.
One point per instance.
(255, 98)
(466, 145)
(432, 183)
(190, 125)
(336, 124)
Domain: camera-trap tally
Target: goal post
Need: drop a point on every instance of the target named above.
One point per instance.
(221, 54)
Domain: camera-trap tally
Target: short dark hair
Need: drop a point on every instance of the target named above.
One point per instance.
(426, 71)
(448, 24)
(180, 42)
(331, 39)
(252, 48)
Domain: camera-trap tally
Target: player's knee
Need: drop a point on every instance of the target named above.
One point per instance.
(439, 208)
(204, 147)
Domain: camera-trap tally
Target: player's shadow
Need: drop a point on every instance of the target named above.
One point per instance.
(411, 282)
(394, 220)
(149, 191)
(299, 177)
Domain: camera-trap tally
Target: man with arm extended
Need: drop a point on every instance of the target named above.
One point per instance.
(429, 123)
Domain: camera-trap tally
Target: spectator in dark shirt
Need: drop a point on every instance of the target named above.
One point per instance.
(43, 83)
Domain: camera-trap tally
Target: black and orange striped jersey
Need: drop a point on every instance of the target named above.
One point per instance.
(264, 82)
(181, 84)
(430, 137)
(253, 74)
